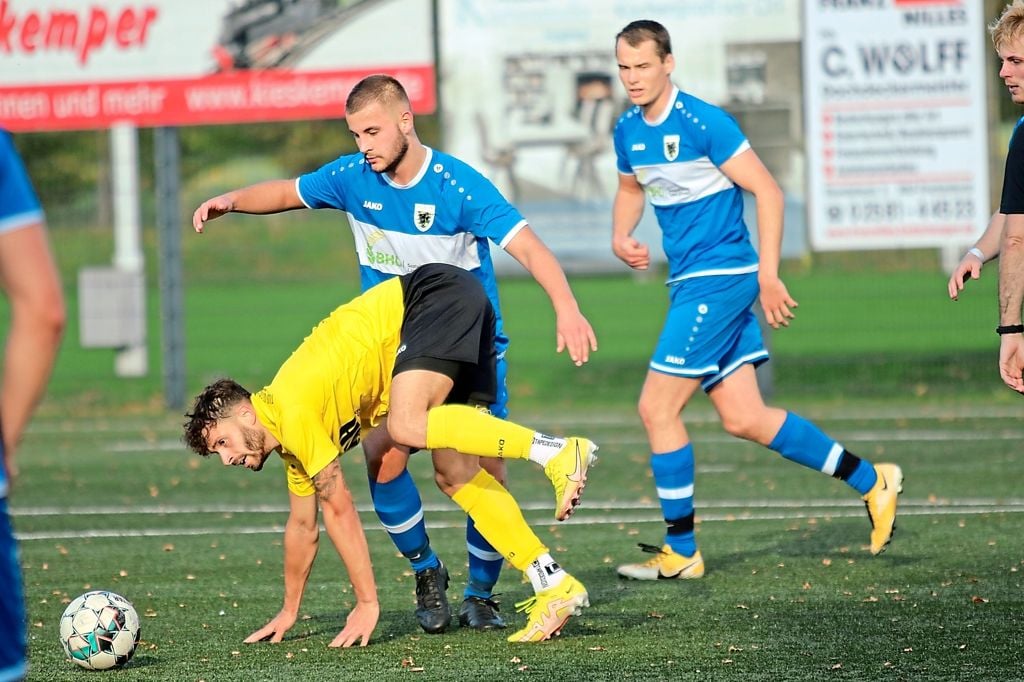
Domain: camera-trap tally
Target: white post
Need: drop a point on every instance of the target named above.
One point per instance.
(130, 361)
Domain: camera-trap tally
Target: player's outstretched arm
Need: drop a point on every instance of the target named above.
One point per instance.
(572, 330)
(346, 532)
(985, 249)
(272, 196)
(301, 537)
(626, 213)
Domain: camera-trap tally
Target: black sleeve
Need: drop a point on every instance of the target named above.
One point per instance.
(1012, 200)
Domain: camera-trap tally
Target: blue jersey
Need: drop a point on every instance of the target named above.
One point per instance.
(676, 160)
(19, 205)
(446, 214)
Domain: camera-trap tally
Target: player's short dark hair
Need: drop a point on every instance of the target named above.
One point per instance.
(640, 30)
(379, 87)
(213, 404)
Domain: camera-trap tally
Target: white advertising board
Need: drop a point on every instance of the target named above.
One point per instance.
(897, 140)
(530, 93)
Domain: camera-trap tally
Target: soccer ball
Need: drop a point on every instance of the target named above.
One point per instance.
(99, 630)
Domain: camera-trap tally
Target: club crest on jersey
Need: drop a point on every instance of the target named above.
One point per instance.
(670, 145)
(423, 216)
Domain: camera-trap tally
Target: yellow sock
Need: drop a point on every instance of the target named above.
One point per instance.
(474, 432)
(499, 520)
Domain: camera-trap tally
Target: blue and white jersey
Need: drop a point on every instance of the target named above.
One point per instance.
(676, 160)
(19, 205)
(445, 214)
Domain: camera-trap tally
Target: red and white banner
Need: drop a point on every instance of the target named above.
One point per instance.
(69, 65)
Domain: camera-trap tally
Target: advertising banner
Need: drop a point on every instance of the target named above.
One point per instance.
(530, 94)
(66, 64)
(897, 141)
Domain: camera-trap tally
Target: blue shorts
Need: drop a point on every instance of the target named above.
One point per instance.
(710, 330)
(13, 663)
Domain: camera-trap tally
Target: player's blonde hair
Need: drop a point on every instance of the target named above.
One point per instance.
(1009, 27)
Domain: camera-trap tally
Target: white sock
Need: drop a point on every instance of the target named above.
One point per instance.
(544, 573)
(544, 447)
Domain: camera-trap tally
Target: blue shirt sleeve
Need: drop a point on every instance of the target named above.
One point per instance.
(19, 204)
(485, 212)
(621, 160)
(722, 135)
(324, 188)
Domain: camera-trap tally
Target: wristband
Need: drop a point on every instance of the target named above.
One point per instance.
(975, 251)
(1010, 329)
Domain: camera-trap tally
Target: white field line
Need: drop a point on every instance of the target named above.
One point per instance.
(861, 436)
(697, 414)
(175, 509)
(785, 510)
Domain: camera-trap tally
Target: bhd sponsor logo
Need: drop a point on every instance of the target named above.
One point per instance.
(382, 258)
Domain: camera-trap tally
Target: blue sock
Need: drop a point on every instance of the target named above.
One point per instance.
(673, 476)
(400, 511)
(802, 442)
(484, 564)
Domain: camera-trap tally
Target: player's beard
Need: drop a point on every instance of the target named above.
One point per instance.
(255, 441)
(400, 151)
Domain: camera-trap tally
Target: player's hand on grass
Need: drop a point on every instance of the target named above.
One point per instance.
(359, 625)
(631, 252)
(776, 302)
(274, 630)
(969, 268)
(211, 209)
(573, 332)
(1011, 360)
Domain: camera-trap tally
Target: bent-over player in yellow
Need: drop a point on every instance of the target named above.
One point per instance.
(412, 355)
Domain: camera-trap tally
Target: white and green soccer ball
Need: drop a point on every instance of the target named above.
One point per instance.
(99, 630)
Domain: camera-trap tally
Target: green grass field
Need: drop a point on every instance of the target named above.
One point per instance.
(791, 591)
(109, 499)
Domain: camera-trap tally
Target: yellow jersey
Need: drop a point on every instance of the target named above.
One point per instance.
(336, 383)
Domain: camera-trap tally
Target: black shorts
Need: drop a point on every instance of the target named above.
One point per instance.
(448, 327)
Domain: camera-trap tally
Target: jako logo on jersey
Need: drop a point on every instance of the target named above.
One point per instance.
(423, 216)
(401, 349)
(639, 147)
(671, 147)
(373, 205)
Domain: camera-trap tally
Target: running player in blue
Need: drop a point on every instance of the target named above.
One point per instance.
(409, 205)
(692, 162)
(29, 279)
